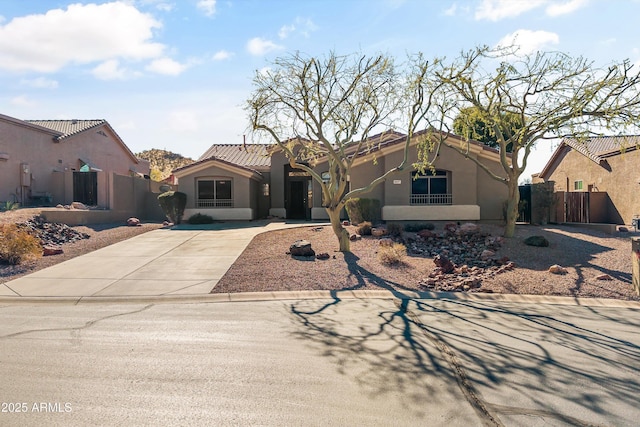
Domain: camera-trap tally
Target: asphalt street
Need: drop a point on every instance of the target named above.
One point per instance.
(355, 362)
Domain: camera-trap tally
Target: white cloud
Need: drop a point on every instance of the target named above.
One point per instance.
(301, 26)
(259, 46)
(22, 101)
(166, 66)
(495, 10)
(109, 70)
(557, 9)
(40, 83)
(451, 11)
(183, 121)
(208, 7)
(222, 55)
(285, 30)
(529, 41)
(81, 34)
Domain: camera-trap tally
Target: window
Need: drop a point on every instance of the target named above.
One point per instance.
(265, 189)
(430, 188)
(577, 185)
(215, 193)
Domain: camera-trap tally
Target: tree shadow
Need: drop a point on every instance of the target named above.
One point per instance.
(511, 360)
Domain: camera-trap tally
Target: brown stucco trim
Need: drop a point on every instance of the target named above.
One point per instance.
(22, 123)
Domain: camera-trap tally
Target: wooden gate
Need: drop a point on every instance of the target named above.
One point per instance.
(576, 207)
(85, 188)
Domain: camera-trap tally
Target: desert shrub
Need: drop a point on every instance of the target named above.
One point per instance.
(9, 206)
(395, 229)
(364, 229)
(360, 210)
(18, 245)
(392, 255)
(173, 204)
(200, 219)
(415, 227)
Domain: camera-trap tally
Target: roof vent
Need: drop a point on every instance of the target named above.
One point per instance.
(74, 122)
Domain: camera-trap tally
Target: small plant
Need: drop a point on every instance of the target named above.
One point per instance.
(360, 210)
(395, 229)
(17, 246)
(364, 229)
(415, 227)
(173, 204)
(9, 206)
(200, 219)
(392, 255)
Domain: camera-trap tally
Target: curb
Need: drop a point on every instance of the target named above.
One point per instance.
(334, 295)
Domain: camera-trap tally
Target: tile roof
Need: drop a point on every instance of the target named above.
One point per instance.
(67, 127)
(216, 159)
(597, 148)
(247, 155)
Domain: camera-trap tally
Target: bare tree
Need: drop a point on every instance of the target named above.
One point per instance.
(326, 109)
(551, 94)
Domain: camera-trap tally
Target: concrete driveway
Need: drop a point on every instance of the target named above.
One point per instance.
(182, 261)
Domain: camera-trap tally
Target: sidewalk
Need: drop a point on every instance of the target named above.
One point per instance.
(184, 260)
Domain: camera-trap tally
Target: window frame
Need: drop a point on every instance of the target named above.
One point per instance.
(214, 201)
(428, 197)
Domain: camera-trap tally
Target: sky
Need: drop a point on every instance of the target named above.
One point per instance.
(175, 75)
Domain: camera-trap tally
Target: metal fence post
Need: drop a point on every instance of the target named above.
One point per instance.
(635, 263)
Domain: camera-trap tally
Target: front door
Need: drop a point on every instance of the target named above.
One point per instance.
(297, 208)
(85, 188)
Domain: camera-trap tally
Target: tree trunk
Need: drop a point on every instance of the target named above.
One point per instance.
(341, 233)
(512, 208)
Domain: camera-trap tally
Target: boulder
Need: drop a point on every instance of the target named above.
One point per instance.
(133, 222)
(444, 264)
(302, 248)
(539, 241)
(557, 269)
(450, 227)
(425, 234)
(59, 206)
(355, 237)
(385, 241)
(323, 255)
(78, 205)
(51, 250)
(468, 228)
(604, 277)
(379, 231)
(486, 254)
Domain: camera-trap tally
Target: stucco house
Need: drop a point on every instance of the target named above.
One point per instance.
(62, 161)
(238, 181)
(596, 180)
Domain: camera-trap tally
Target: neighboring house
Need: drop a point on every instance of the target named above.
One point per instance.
(62, 161)
(597, 180)
(251, 181)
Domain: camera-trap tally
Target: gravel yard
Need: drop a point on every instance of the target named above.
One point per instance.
(100, 235)
(265, 265)
(586, 254)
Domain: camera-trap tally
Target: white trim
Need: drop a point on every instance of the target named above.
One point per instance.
(278, 212)
(431, 213)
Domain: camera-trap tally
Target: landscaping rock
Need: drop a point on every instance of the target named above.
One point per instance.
(557, 269)
(379, 231)
(539, 241)
(52, 234)
(51, 250)
(355, 237)
(450, 227)
(468, 228)
(425, 234)
(604, 277)
(444, 264)
(385, 241)
(302, 248)
(323, 255)
(78, 205)
(486, 254)
(133, 222)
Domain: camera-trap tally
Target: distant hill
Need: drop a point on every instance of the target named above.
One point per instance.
(163, 162)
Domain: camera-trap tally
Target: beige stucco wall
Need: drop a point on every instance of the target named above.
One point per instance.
(26, 144)
(622, 182)
(244, 193)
